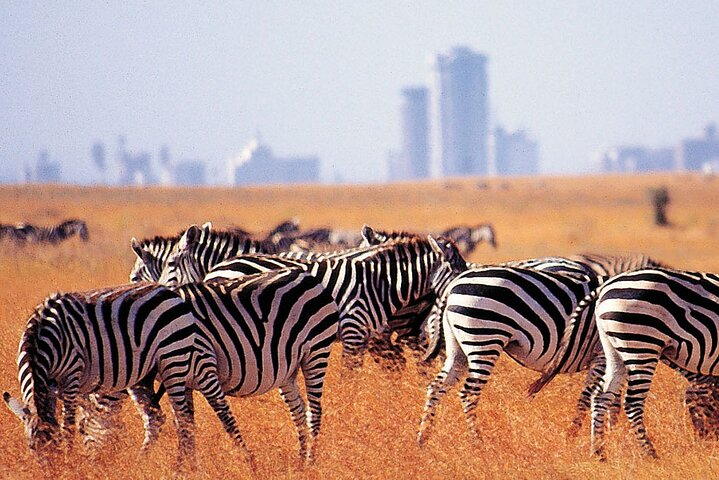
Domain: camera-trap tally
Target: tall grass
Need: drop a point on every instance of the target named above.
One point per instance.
(371, 416)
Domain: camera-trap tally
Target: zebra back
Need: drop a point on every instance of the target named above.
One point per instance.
(611, 265)
(262, 326)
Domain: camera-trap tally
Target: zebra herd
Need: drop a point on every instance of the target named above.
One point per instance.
(23, 233)
(219, 312)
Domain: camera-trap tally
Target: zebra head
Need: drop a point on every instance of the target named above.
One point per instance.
(41, 436)
(371, 237)
(145, 268)
(182, 266)
(452, 263)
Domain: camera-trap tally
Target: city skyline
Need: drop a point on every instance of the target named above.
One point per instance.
(577, 77)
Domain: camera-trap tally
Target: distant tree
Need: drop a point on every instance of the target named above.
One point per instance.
(660, 199)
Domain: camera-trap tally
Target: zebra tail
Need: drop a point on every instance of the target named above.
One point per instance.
(559, 360)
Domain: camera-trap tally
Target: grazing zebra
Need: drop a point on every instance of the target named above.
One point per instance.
(264, 329)
(370, 284)
(644, 317)
(467, 238)
(26, 233)
(215, 246)
(520, 311)
(107, 341)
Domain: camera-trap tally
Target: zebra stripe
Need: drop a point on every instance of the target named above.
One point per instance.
(650, 315)
(265, 328)
(106, 341)
(370, 284)
(522, 312)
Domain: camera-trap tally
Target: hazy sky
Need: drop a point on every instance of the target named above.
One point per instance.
(324, 77)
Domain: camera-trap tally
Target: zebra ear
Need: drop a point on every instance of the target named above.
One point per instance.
(16, 406)
(368, 234)
(136, 247)
(207, 226)
(190, 237)
(448, 250)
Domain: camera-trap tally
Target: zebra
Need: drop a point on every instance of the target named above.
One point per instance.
(467, 238)
(110, 340)
(370, 284)
(643, 317)
(264, 329)
(27, 233)
(521, 311)
(152, 253)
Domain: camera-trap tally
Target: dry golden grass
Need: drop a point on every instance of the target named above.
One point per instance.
(371, 416)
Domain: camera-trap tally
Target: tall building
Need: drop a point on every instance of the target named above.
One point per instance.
(413, 160)
(699, 153)
(257, 164)
(631, 159)
(460, 114)
(515, 154)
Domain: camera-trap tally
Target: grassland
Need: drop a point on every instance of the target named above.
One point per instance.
(371, 416)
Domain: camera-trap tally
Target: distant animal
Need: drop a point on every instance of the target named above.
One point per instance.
(644, 317)
(23, 233)
(468, 237)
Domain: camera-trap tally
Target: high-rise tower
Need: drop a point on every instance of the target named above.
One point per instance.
(415, 133)
(460, 113)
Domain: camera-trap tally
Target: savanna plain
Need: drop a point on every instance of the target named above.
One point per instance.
(371, 415)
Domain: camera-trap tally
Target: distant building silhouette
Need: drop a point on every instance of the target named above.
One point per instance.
(135, 168)
(45, 171)
(515, 154)
(699, 153)
(631, 159)
(413, 161)
(188, 172)
(257, 164)
(460, 113)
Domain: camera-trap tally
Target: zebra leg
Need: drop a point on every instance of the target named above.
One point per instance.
(614, 378)
(454, 367)
(701, 400)
(354, 344)
(69, 410)
(290, 393)
(99, 420)
(592, 385)
(152, 416)
(313, 371)
(481, 364)
(639, 380)
(208, 383)
(180, 397)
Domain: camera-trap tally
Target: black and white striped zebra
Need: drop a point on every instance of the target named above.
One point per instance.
(26, 233)
(521, 311)
(468, 237)
(107, 341)
(264, 329)
(644, 317)
(370, 284)
(215, 245)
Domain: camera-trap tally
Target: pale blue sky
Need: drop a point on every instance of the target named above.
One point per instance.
(323, 77)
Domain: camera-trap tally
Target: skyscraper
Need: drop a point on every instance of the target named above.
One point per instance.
(460, 113)
(415, 133)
